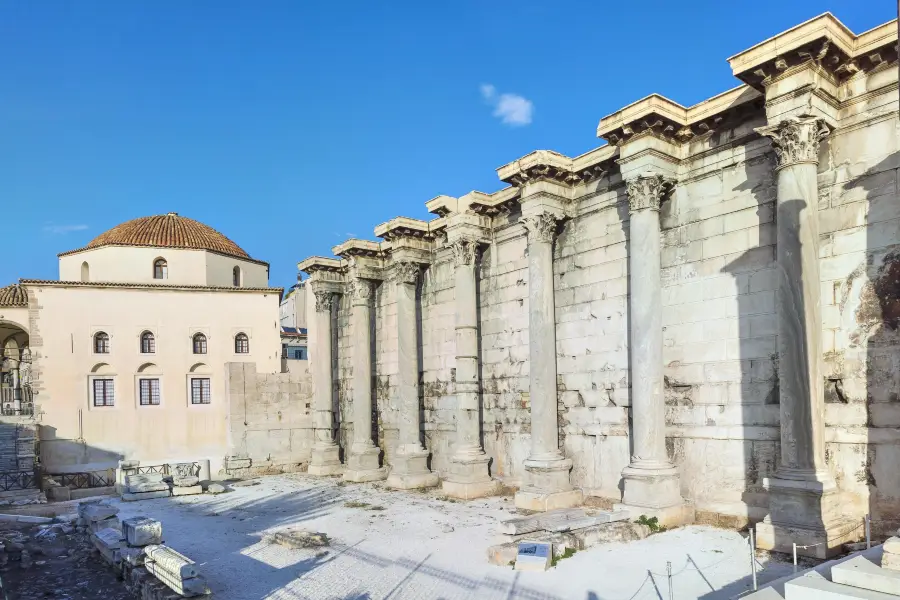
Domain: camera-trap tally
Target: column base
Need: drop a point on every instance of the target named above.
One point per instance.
(362, 465)
(651, 486)
(670, 516)
(409, 471)
(805, 509)
(325, 461)
(469, 477)
(547, 485)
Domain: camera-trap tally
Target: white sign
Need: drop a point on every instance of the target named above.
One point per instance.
(533, 556)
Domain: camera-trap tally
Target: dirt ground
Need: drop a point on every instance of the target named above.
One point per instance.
(58, 562)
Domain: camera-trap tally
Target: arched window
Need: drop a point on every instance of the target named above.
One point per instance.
(160, 269)
(200, 343)
(85, 271)
(101, 343)
(148, 343)
(241, 344)
(236, 276)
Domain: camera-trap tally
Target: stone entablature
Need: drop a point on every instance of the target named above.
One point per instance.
(629, 306)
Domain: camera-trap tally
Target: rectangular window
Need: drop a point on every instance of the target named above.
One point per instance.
(149, 392)
(200, 391)
(104, 394)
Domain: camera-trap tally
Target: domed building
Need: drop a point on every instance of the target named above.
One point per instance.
(124, 357)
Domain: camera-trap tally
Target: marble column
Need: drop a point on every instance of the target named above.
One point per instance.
(546, 484)
(362, 460)
(803, 505)
(325, 458)
(650, 480)
(469, 476)
(409, 468)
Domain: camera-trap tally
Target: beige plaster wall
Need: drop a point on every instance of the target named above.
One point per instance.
(133, 264)
(78, 436)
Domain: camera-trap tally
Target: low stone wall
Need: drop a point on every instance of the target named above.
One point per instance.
(270, 423)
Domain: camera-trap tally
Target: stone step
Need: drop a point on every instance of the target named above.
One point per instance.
(816, 587)
(862, 573)
(535, 522)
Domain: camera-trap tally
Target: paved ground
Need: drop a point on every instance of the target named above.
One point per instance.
(417, 546)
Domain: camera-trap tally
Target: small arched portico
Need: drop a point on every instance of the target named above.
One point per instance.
(16, 370)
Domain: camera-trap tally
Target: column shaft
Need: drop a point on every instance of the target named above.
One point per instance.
(362, 461)
(647, 402)
(468, 476)
(325, 459)
(651, 483)
(410, 463)
(800, 364)
(547, 483)
(804, 507)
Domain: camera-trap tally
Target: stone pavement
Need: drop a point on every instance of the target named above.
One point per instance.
(417, 546)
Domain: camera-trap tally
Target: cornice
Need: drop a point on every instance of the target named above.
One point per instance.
(321, 264)
(547, 165)
(823, 42)
(404, 227)
(357, 247)
(666, 119)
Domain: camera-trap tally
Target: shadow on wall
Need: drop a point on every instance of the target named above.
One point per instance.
(870, 315)
(61, 455)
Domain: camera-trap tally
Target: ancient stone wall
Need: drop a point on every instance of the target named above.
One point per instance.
(269, 422)
(719, 283)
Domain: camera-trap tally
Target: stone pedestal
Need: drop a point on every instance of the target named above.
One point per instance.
(409, 466)
(362, 460)
(803, 502)
(468, 476)
(546, 485)
(325, 458)
(650, 480)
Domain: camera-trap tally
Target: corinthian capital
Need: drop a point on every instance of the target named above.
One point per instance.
(324, 300)
(406, 272)
(541, 228)
(796, 140)
(360, 289)
(464, 251)
(646, 191)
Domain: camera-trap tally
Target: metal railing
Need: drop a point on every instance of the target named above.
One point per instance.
(77, 481)
(17, 480)
(191, 469)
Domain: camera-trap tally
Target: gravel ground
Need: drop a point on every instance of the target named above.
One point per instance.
(61, 566)
(418, 546)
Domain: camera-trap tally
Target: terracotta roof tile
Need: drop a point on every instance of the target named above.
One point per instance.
(167, 231)
(13, 295)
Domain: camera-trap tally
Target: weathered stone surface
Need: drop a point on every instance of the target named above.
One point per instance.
(861, 572)
(300, 538)
(131, 497)
(215, 488)
(189, 481)
(142, 531)
(133, 556)
(580, 539)
(171, 561)
(134, 480)
(140, 488)
(187, 491)
(95, 511)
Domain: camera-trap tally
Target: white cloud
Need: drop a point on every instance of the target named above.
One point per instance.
(63, 229)
(512, 109)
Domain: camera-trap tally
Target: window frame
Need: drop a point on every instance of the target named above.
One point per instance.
(244, 340)
(205, 342)
(237, 276)
(151, 346)
(109, 387)
(209, 389)
(140, 390)
(95, 342)
(162, 265)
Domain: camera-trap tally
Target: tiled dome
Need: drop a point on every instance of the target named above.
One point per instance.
(168, 231)
(13, 295)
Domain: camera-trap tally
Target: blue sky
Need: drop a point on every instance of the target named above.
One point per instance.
(291, 126)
